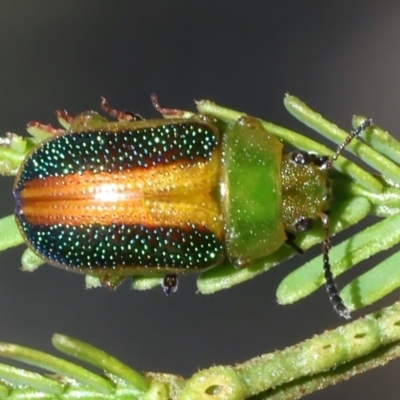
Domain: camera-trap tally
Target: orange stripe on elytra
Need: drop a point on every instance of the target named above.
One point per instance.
(169, 195)
(173, 179)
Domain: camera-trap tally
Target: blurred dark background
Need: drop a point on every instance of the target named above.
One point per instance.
(341, 57)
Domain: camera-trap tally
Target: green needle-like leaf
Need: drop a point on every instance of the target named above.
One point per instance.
(224, 276)
(99, 358)
(318, 362)
(374, 284)
(301, 142)
(323, 360)
(30, 261)
(140, 282)
(315, 121)
(324, 352)
(12, 156)
(17, 376)
(56, 365)
(309, 277)
(13, 237)
(379, 139)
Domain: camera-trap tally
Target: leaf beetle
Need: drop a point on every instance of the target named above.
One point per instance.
(169, 196)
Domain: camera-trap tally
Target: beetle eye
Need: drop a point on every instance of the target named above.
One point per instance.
(304, 224)
(302, 157)
(299, 157)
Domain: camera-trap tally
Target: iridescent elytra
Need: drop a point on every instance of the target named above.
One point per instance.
(168, 196)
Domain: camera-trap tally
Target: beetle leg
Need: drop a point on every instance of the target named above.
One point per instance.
(170, 284)
(291, 237)
(119, 115)
(330, 284)
(64, 118)
(111, 282)
(38, 130)
(169, 112)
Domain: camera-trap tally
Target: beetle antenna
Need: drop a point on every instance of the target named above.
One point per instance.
(353, 134)
(330, 283)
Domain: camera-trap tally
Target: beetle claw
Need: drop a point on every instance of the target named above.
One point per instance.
(291, 237)
(37, 129)
(166, 112)
(170, 284)
(119, 115)
(111, 282)
(64, 118)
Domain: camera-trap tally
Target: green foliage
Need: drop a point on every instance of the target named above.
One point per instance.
(316, 363)
(357, 193)
(293, 372)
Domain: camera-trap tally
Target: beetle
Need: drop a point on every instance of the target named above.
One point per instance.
(175, 195)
